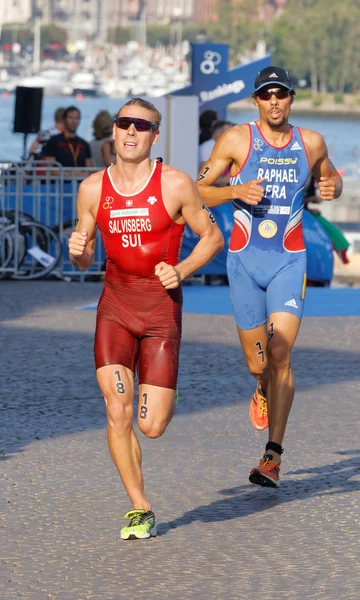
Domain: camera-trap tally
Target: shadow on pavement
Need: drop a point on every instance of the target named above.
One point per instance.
(18, 298)
(49, 387)
(327, 480)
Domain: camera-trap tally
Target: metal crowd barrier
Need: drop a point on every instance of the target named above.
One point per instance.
(44, 192)
(33, 193)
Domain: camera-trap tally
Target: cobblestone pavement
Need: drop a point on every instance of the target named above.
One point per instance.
(219, 536)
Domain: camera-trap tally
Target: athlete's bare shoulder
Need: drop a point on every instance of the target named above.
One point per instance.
(177, 187)
(312, 139)
(89, 192)
(231, 148)
(233, 144)
(237, 133)
(91, 186)
(242, 128)
(93, 180)
(314, 145)
(174, 177)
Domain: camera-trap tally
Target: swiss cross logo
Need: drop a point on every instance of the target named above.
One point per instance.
(129, 202)
(151, 200)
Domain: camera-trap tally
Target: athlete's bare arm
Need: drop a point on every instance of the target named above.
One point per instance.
(232, 149)
(329, 180)
(180, 193)
(82, 240)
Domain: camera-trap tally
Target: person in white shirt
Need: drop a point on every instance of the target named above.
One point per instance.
(43, 136)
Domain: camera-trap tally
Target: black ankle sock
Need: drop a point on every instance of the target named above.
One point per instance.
(275, 447)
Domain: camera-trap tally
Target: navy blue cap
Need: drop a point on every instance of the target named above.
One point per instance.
(273, 76)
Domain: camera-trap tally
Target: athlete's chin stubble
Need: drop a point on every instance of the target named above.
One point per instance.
(275, 124)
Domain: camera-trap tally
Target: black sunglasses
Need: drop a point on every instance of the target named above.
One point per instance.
(140, 124)
(267, 94)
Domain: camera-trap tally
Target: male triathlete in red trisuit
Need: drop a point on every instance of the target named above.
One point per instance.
(140, 207)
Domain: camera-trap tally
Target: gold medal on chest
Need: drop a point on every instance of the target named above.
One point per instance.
(267, 228)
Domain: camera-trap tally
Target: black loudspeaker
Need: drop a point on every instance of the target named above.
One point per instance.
(28, 104)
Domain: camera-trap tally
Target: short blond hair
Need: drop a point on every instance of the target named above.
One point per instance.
(145, 104)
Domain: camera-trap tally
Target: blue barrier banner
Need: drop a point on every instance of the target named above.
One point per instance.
(320, 252)
(215, 85)
(40, 201)
(224, 218)
(320, 258)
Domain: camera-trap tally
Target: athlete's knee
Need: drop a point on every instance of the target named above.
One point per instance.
(257, 368)
(279, 356)
(119, 416)
(152, 429)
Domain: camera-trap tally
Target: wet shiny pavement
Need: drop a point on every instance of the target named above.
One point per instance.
(219, 536)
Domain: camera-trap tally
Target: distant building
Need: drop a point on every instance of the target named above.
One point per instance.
(81, 18)
(204, 11)
(90, 19)
(16, 11)
(207, 10)
(166, 11)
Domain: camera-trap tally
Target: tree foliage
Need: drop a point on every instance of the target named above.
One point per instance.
(237, 24)
(157, 34)
(119, 35)
(321, 40)
(24, 34)
(52, 34)
(314, 39)
(318, 40)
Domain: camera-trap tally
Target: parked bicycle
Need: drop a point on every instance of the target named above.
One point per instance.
(37, 216)
(28, 249)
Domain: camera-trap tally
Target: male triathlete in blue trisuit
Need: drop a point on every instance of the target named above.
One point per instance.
(270, 161)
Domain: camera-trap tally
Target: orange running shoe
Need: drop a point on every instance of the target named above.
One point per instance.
(258, 410)
(267, 473)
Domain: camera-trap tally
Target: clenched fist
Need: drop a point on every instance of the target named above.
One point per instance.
(327, 188)
(77, 243)
(168, 275)
(250, 192)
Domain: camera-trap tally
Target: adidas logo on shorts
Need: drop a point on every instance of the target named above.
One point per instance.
(296, 146)
(291, 303)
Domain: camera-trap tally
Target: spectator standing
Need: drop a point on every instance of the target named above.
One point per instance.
(102, 146)
(207, 118)
(206, 148)
(67, 148)
(44, 136)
